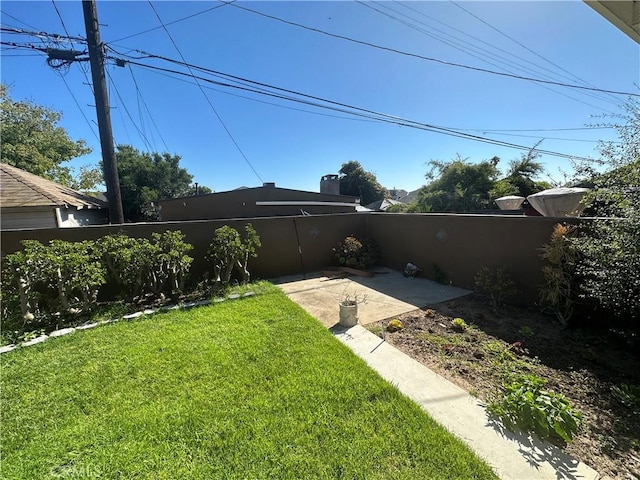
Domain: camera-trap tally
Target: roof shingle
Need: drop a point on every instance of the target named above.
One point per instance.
(23, 189)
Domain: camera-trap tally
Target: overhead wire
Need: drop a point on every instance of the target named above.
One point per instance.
(479, 52)
(143, 137)
(64, 27)
(519, 43)
(430, 59)
(511, 54)
(17, 19)
(172, 22)
(205, 95)
(277, 105)
(358, 111)
(135, 82)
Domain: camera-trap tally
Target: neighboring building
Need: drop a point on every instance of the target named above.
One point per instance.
(397, 194)
(265, 201)
(30, 201)
(382, 205)
(330, 184)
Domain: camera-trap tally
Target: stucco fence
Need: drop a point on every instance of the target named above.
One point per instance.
(459, 245)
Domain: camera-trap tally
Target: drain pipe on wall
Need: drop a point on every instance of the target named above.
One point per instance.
(295, 226)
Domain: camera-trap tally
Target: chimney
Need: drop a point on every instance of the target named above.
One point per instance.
(269, 185)
(330, 184)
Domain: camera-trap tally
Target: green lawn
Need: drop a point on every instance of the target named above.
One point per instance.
(252, 388)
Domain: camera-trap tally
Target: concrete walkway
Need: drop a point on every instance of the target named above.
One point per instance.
(512, 456)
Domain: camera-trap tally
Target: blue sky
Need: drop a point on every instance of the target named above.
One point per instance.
(294, 144)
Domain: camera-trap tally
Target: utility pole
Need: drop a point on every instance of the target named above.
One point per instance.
(96, 58)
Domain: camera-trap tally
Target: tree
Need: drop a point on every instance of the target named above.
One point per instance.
(519, 179)
(357, 182)
(146, 178)
(458, 186)
(87, 179)
(609, 245)
(32, 140)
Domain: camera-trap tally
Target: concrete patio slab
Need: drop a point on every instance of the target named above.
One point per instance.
(388, 294)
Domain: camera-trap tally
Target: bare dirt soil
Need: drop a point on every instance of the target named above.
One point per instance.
(587, 366)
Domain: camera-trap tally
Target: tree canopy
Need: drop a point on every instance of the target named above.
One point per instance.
(609, 248)
(461, 186)
(357, 182)
(458, 186)
(520, 176)
(33, 141)
(146, 178)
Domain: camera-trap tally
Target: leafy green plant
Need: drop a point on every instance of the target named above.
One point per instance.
(61, 275)
(128, 261)
(228, 250)
(171, 265)
(354, 253)
(559, 290)
(459, 325)
(526, 331)
(497, 283)
(628, 395)
(501, 352)
(525, 404)
(609, 264)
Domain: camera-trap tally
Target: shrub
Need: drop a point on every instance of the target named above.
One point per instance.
(228, 250)
(395, 325)
(459, 324)
(609, 266)
(354, 253)
(128, 261)
(60, 276)
(497, 283)
(525, 404)
(171, 265)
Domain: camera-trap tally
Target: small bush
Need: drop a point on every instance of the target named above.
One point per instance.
(458, 324)
(525, 404)
(497, 283)
(354, 253)
(440, 276)
(395, 325)
(229, 251)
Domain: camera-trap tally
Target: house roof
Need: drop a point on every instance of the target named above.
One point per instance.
(23, 189)
(382, 205)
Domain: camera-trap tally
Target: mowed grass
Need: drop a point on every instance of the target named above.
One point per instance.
(252, 389)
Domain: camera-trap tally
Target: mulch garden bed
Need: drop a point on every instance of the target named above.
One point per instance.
(589, 367)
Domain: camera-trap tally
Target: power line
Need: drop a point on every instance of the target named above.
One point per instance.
(519, 43)
(147, 108)
(172, 22)
(473, 49)
(143, 137)
(75, 100)
(18, 20)
(84, 73)
(341, 117)
(534, 129)
(205, 95)
(357, 111)
(430, 59)
(49, 36)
